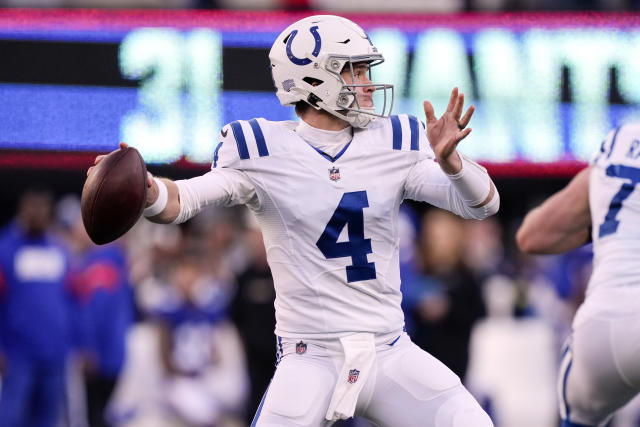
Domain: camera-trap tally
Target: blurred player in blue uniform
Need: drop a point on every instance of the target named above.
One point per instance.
(35, 316)
(100, 283)
(600, 369)
(205, 380)
(326, 192)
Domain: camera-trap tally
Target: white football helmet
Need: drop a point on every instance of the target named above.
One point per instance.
(307, 59)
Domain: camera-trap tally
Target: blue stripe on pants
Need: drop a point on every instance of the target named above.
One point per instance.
(255, 418)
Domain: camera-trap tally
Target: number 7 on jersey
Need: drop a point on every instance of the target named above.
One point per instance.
(610, 223)
(349, 213)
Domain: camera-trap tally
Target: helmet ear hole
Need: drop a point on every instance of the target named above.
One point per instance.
(312, 81)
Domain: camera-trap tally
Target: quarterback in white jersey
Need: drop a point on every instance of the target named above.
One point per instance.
(600, 369)
(326, 192)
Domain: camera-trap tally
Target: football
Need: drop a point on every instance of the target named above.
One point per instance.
(114, 195)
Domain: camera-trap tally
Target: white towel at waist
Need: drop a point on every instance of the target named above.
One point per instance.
(359, 356)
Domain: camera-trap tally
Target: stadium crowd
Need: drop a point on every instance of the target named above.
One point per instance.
(173, 325)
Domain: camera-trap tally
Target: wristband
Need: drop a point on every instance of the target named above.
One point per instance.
(160, 203)
(472, 182)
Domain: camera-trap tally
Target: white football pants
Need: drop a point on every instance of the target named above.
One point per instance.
(600, 369)
(407, 387)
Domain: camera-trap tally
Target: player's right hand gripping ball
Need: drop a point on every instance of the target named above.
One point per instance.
(114, 195)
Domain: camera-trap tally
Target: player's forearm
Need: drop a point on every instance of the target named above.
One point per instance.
(458, 206)
(474, 186)
(561, 223)
(545, 231)
(219, 187)
(163, 204)
(427, 182)
(452, 164)
(539, 234)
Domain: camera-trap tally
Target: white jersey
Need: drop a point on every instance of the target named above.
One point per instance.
(615, 210)
(330, 224)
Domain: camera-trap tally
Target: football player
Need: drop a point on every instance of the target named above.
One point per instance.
(600, 369)
(326, 192)
(36, 315)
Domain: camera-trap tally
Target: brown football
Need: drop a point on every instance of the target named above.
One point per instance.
(114, 195)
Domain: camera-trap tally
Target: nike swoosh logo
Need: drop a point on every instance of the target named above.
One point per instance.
(393, 342)
(224, 132)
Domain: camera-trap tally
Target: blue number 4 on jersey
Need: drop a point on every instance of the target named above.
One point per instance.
(349, 213)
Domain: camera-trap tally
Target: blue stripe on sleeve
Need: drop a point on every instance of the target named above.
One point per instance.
(413, 126)
(241, 142)
(397, 132)
(215, 155)
(257, 132)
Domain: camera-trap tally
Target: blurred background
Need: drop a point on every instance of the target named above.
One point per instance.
(173, 325)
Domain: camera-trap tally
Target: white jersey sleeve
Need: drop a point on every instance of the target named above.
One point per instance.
(225, 185)
(614, 201)
(426, 182)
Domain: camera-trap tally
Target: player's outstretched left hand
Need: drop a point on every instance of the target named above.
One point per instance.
(445, 133)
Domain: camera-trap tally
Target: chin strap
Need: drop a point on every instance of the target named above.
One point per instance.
(362, 120)
(354, 118)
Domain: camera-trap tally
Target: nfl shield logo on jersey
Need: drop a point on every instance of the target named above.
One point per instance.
(301, 348)
(334, 174)
(353, 376)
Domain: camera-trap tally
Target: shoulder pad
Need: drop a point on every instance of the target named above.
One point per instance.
(401, 132)
(406, 131)
(240, 140)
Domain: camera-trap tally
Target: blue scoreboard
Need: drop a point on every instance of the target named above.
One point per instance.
(547, 87)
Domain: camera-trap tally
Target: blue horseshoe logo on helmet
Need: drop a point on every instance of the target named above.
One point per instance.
(316, 49)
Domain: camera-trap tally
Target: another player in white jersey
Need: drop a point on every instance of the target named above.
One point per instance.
(600, 368)
(326, 192)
